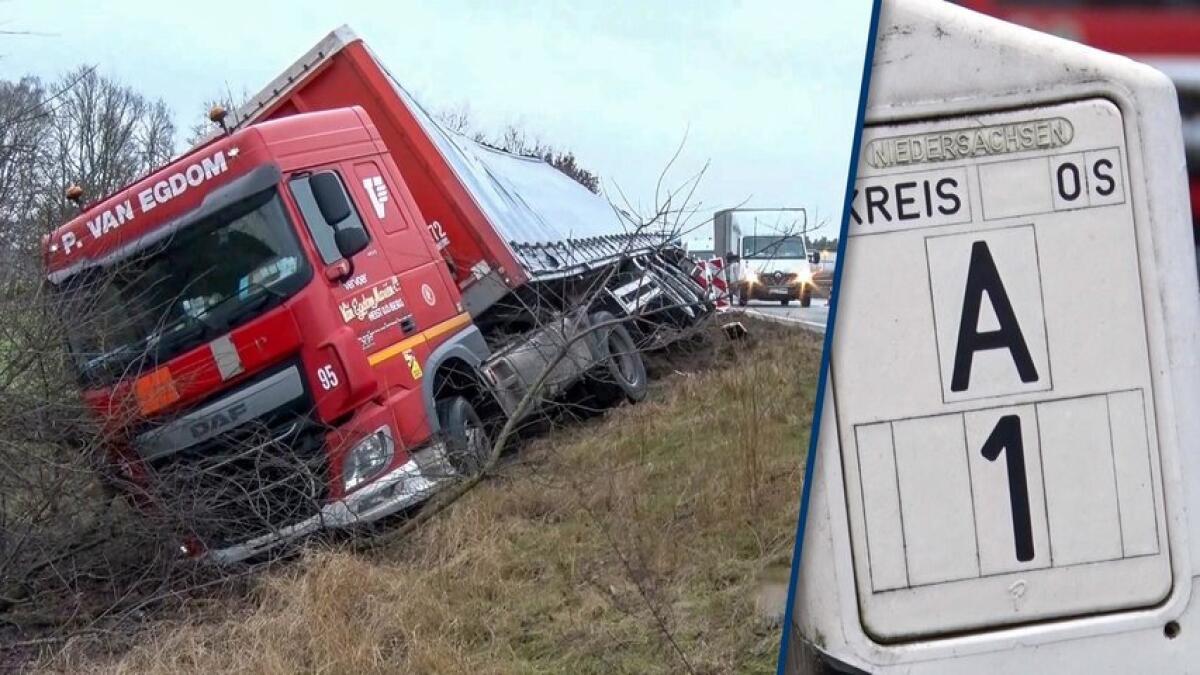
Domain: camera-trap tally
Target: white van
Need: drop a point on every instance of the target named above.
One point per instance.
(766, 254)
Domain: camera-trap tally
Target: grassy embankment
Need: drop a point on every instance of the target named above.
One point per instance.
(643, 541)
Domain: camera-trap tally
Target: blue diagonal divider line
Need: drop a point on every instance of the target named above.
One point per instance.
(814, 434)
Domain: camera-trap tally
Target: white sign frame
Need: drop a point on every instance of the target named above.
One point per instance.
(924, 511)
(985, 65)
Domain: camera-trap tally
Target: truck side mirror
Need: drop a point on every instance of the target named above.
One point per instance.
(330, 197)
(814, 257)
(732, 257)
(351, 240)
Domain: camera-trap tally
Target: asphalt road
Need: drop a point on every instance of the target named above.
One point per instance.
(812, 317)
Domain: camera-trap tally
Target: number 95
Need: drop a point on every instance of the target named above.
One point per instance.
(327, 377)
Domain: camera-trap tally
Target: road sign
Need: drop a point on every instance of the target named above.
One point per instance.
(997, 415)
(1000, 485)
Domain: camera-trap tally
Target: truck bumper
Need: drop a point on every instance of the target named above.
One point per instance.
(769, 292)
(760, 292)
(408, 485)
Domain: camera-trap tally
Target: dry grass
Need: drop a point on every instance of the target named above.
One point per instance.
(583, 555)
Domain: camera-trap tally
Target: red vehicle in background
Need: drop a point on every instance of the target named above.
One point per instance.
(1162, 33)
(319, 317)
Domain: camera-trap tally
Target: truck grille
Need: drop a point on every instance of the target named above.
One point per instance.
(778, 278)
(262, 475)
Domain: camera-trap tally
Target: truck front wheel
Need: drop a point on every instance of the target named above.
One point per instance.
(806, 297)
(468, 446)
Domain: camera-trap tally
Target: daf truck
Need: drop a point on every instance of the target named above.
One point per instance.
(319, 316)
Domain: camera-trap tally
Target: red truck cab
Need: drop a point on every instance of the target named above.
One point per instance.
(216, 274)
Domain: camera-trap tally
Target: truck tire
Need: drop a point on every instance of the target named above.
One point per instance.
(785, 303)
(622, 370)
(806, 298)
(468, 445)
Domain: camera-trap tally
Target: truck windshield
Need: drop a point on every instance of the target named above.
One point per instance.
(203, 280)
(773, 247)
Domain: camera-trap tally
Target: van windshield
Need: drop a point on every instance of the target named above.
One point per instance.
(203, 280)
(773, 247)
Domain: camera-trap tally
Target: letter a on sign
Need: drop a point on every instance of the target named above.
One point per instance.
(988, 313)
(982, 277)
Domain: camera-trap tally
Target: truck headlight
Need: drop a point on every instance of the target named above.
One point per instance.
(804, 277)
(750, 276)
(367, 458)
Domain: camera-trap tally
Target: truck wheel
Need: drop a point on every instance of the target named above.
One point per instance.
(467, 443)
(624, 371)
(806, 298)
(785, 303)
(742, 296)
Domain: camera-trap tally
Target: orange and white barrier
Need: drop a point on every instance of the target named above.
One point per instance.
(710, 274)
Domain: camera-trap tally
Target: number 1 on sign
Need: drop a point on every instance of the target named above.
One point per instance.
(1006, 436)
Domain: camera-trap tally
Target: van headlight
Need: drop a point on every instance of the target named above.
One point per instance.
(750, 276)
(367, 458)
(804, 276)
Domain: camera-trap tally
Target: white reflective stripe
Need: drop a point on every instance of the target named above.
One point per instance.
(229, 362)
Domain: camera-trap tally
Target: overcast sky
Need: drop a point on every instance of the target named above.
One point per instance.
(765, 91)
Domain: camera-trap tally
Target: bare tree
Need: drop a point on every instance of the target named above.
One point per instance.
(458, 119)
(104, 134)
(516, 140)
(55, 516)
(83, 129)
(24, 124)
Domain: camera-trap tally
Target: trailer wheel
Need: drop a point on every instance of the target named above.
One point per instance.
(468, 445)
(623, 371)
